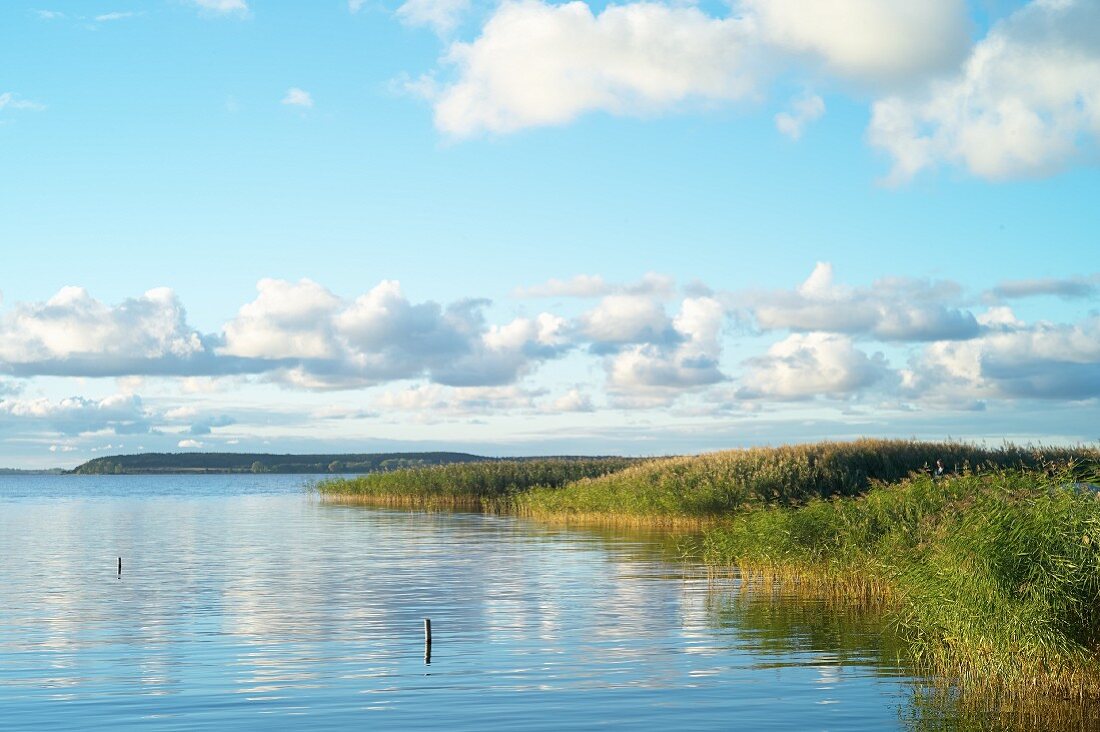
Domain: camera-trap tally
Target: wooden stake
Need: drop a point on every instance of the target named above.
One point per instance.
(427, 641)
(120, 566)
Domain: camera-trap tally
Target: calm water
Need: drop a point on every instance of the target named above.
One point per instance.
(245, 602)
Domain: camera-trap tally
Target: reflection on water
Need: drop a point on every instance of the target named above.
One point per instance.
(244, 602)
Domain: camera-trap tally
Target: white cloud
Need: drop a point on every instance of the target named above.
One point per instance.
(573, 400)
(189, 444)
(355, 6)
(664, 366)
(625, 319)
(541, 64)
(108, 17)
(8, 100)
(442, 16)
(322, 341)
(120, 414)
(892, 309)
(73, 333)
(878, 41)
(1026, 102)
(804, 110)
(223, 7)
(1012, 359)
(285, 321)
(296, 97)
(49, 14)
(537, 63)
(806, 365)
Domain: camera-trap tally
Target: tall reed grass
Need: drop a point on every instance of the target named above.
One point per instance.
(699, 488)
(992, 579)
(481, 486)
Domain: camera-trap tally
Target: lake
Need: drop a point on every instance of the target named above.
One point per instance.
(245, 602)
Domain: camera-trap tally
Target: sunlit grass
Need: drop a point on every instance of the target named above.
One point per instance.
(482, 486)
(991, 579)
(682, 490)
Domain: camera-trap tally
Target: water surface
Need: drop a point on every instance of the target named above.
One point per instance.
(244, 601)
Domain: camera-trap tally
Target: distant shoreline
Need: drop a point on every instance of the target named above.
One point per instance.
(235, 463)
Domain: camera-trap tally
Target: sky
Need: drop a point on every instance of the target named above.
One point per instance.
(531, 227)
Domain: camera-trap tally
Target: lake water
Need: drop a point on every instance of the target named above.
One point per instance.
(246, 603)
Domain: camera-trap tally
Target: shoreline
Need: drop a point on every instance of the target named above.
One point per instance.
(989, 574)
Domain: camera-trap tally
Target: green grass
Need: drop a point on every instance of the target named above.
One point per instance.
(685, 490)
(992, 579)
(484, 486)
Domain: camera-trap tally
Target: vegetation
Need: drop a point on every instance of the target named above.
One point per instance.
(474, 486)
(232, 462)
(992, 579)
(699, 489)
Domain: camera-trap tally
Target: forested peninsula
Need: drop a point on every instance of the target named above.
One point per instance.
(239, 462)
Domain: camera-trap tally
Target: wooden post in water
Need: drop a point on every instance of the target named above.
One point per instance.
(120, 567)
(428, 641)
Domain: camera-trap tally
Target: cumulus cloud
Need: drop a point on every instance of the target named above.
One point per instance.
(803, 110)
(877, 41)
(892, 309)
(296, 97)
(72, 333)
(299, 334)
(442, 16)
(537, 63)
(807, 365)
(1026, 102)
(321, 341)
(1012, 359)
(658, 369)
(573, 400)
(620, 320)
(1068, 287)
(120, 414)
(189, 444)
(286, 321)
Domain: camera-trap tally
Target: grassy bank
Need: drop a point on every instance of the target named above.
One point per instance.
(680, 490)
(487, 486)
(700, 488)
(992, 579)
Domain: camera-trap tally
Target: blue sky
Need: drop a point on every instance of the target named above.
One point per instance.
(636, 227)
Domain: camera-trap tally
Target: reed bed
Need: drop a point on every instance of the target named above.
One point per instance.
(990, 579)
(481, 486)
(682, 490)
